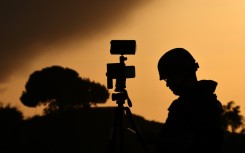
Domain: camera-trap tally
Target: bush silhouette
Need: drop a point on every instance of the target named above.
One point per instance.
(10, 121)
(232, 119)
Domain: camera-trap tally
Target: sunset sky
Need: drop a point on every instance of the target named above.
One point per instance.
(77, 34)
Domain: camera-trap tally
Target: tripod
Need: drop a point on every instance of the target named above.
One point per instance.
(118, 126)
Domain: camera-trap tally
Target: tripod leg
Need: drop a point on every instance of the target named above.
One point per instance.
(117, 126)
(140, 137)
(121, 128)
(113, 134)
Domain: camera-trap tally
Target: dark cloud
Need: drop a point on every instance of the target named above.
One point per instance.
(25, 23)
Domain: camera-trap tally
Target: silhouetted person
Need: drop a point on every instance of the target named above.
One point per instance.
(193, 124)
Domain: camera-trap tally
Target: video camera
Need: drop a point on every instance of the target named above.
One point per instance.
(120, 71)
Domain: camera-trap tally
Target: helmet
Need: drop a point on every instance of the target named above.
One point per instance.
(175, 61)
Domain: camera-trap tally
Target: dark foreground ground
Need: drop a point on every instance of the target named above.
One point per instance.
(86, 131)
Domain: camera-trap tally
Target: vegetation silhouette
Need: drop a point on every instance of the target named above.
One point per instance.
(10, 128)
(62, 88)
(232, 118)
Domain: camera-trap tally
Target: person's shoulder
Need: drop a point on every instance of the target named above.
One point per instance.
(206, 86)
(175, 104)
(207, 97)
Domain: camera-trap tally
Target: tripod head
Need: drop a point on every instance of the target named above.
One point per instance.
(119, 71)
(121, 97)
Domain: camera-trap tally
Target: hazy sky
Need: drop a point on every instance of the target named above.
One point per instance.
(77, 34)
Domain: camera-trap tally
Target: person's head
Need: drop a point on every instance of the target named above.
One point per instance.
(178, 68)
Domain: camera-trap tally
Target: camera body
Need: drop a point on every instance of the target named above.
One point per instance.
(117, 70)
(120, 71)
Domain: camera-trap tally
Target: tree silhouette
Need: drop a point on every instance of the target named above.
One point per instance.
(232, 118)
(62, 88)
